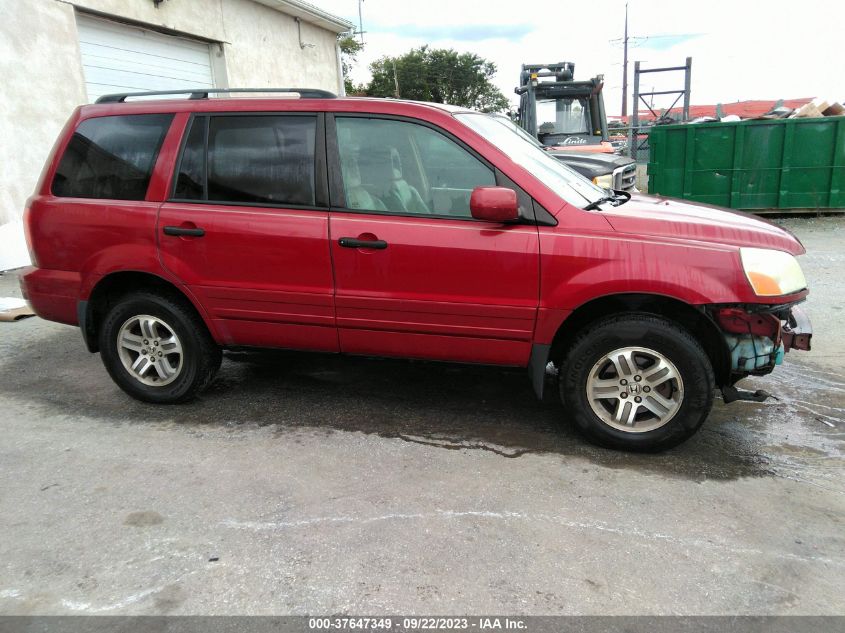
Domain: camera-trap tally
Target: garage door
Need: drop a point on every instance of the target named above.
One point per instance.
(121, 58)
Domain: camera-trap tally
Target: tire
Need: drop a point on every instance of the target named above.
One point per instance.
(155, 328)
(671, 376)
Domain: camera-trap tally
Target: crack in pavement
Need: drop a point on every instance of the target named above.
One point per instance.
(456, 446)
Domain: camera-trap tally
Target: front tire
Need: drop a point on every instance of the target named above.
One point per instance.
(157, 349)
(637, 382)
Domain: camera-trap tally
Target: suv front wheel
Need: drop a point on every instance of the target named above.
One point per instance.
(637, 382)
(157, 349)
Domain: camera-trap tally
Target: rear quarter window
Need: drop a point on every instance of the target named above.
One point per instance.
(111, 157)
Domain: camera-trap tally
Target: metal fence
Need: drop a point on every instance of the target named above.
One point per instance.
(637, 133)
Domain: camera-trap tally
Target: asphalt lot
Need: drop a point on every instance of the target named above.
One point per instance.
(316, 484)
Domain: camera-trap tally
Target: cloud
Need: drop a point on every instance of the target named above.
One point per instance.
(457, 32)
(740, 50)
(662, 42)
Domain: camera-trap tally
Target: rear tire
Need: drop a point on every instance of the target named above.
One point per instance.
(157, 349)
(637, 382)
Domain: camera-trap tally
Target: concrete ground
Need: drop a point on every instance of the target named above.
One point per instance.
(313, 484)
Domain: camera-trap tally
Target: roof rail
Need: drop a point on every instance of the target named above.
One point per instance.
(202, 93)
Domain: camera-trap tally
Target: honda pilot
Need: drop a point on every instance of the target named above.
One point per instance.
(170, 229)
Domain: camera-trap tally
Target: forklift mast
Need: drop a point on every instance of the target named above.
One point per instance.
(579, 115)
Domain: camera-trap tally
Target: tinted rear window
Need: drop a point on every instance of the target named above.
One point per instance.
(111, 157)
(265, 159)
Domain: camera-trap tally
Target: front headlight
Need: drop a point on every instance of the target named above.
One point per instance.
(772, 273)
(605, 182)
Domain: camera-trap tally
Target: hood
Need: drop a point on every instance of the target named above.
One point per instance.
(666, 217)
(591, 165)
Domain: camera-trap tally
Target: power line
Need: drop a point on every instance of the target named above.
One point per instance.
(625, 68)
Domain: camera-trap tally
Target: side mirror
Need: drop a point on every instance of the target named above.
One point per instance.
(494, 204)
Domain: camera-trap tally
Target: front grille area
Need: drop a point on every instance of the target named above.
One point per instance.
(625, 177)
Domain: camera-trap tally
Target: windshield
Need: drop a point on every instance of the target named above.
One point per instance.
(563, 180)
(561, 117)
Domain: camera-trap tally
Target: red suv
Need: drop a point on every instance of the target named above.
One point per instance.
(171, 229)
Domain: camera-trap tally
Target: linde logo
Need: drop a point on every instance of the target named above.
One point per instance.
(574, 140)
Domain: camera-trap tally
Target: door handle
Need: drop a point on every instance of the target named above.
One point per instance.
(182, 230)
(351, 242)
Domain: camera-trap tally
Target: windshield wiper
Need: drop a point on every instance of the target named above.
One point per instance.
(618, 198)
(599, 202)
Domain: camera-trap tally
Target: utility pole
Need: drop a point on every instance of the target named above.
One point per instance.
(625, 66)
(361, 21)
(395, 79)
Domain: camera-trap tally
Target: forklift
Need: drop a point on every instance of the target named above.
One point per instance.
(568, 118)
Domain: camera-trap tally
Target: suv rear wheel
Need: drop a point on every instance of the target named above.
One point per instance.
(637, 382)
(157, 349)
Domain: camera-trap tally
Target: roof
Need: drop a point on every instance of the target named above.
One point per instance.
(279, 104)
(262, 95)
(448, 107)
(310, 13)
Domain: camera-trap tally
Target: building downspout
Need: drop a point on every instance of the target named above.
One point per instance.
(341, 88)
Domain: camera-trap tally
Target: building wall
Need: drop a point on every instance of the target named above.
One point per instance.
(43, 79)
(43, 82)
(264, 50)
(260, 44)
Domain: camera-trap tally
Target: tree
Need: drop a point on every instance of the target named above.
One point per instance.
(438, 75)
(349, 49)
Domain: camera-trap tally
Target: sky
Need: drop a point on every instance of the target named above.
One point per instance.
(741, 50)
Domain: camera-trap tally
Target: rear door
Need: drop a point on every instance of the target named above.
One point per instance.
(246, 228)
(415, 274)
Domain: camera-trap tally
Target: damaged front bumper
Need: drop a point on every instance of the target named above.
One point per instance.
(757, 340)
(797, 331)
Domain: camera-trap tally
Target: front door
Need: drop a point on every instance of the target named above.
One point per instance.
(246, 228)
(415, 274)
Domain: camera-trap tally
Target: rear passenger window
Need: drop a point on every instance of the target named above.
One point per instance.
(267, 159)
(111, 157)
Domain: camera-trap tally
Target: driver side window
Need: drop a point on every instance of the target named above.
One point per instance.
(406, 169)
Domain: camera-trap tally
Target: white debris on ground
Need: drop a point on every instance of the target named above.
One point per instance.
(14, 308)
(14, 253)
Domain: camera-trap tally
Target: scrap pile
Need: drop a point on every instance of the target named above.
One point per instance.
(813, 110)
(746, 110)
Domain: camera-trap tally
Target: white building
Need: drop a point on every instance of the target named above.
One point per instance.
(57, 54)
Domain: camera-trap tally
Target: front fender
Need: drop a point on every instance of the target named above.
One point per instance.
(579, 268)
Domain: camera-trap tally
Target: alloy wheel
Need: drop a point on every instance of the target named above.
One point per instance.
(150, 350)
(635, 389)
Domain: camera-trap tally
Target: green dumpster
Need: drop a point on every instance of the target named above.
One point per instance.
(760, 164)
